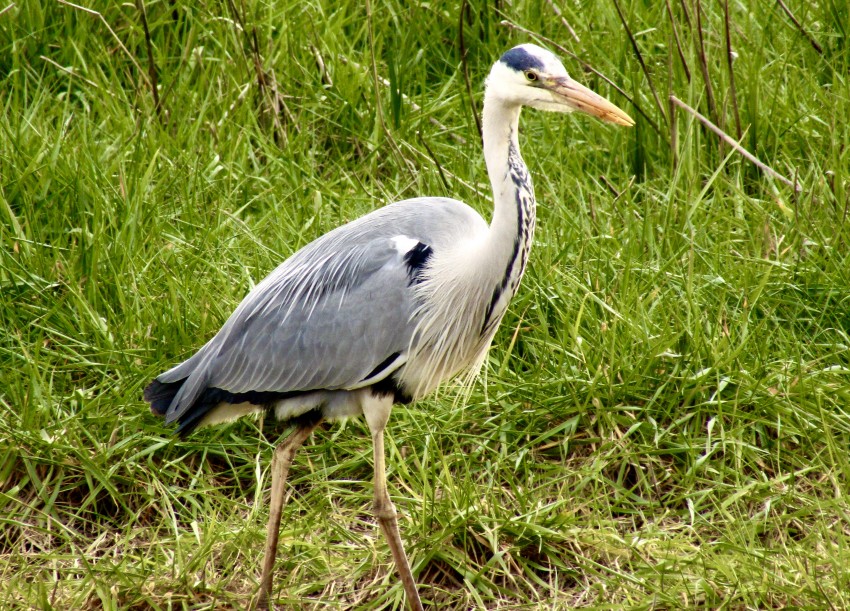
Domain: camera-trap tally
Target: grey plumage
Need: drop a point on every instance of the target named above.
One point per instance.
(327, 317)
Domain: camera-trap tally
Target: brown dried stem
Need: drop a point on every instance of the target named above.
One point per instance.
(436, 162)
(730, 57)
(703, 64)
(640, 59)
(686, 12)
(800, 27)
(152, 73)
(566, 23)
(463, 8)
(271, 100)
(678, 41)
(736, 145)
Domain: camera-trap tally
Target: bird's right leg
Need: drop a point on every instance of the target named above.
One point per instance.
(377, 414)
(284, 453)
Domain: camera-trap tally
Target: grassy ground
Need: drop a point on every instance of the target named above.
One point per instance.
(663, 421)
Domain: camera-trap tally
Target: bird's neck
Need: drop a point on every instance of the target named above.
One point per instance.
(514, 213)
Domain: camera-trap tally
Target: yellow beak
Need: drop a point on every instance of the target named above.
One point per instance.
(583, 99)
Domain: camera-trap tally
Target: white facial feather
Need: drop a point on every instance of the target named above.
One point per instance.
(514, 86)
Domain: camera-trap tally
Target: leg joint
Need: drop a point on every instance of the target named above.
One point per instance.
(385, 510)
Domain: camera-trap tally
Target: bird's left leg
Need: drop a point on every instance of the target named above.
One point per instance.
(284, 453)
(377, 412)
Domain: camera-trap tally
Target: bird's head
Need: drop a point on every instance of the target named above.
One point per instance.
(529, 75)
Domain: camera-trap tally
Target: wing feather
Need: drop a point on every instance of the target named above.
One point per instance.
(325, 323)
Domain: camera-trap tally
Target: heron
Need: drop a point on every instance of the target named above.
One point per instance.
(383, 309)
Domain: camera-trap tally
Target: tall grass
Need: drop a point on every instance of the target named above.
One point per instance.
(663, 420)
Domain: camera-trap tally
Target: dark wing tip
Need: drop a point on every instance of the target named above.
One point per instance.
(161, 394)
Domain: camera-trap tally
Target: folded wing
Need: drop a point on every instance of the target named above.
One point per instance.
(328, 318)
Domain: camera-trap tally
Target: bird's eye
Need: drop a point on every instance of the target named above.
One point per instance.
(531, 76)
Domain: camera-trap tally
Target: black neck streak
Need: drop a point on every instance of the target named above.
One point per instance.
(525, 210)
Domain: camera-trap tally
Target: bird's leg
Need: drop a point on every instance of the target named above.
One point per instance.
(384, 508)
(283, 455)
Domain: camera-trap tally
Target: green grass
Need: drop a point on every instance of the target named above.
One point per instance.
(663, 421)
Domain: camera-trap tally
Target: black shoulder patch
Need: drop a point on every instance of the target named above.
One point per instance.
(416, 258)
(520, 60)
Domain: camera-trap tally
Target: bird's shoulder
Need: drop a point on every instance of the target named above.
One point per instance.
(431, 219)
(389, 235)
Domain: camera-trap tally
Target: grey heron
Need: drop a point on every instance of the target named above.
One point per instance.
(383, 309)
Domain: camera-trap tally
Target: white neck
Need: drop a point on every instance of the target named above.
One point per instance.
(500, 127)
(514, 207)
(474, 281)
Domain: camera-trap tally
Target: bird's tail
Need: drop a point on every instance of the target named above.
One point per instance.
(161, 394)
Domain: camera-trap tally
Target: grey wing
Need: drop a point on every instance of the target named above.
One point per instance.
(331, 317)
